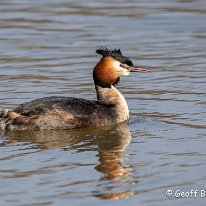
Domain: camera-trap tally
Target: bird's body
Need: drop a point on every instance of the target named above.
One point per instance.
(69, 113)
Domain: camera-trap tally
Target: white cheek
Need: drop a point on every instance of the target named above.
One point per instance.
(125, 72)
(116, 65)
(121, 71)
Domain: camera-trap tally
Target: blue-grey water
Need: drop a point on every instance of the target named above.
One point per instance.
(48, 48)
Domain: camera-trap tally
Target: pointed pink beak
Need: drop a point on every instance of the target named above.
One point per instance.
(133, 68)
(137, 69)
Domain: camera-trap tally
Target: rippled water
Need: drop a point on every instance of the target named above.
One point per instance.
(48, 48)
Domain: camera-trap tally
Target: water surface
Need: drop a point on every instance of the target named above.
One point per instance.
(48, 48)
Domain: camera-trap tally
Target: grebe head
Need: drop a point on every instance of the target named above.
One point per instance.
(111, 67)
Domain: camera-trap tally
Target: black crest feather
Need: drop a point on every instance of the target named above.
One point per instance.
(115, 54)
(106, 52)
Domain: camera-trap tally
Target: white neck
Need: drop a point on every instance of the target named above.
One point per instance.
(111, 96)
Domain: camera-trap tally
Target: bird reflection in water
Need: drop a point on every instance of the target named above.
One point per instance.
(116, 174)
(110, 144)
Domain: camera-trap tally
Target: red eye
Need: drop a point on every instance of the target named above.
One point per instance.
(124, 66)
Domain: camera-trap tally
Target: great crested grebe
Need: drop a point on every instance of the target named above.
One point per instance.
(68, 112)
